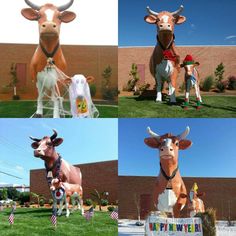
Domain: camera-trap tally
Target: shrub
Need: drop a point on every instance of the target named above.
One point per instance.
(93, 89)
(88, 202)
(232, 82)
(144, 87)
(50, 201)
(110, 208)
(94, 204)
(182, 87)
(104, 202)
(208, 222)
(16, 97)
(24, 197)
(221, 86)
(207, 83)
(41, 202)
(110, 94)
(27, 204)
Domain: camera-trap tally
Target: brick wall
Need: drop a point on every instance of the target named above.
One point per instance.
(87, 60)
(102, 176)
(219, 193)
(208, 57)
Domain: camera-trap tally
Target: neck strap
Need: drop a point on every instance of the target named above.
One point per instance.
(171, 176)
(49, 54)
(161, 45)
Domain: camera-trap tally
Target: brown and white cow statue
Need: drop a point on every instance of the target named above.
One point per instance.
(169, 187)
(48, 54)
(164, 62)
(195, 204)
(192, 79)
(56, 167)
(70, 192)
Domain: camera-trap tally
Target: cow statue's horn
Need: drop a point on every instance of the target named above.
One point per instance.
(32, 5)
(151, 11)
(66, 6)
(54, 135)
(154, 135)
(184, 134)
(176, 13)
(35, 139)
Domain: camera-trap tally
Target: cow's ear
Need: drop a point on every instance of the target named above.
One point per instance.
(180, 19)
(57, 141)
(35, 145)
(196, 63)
(150, 19)
(90, 79)
(152, 142)
(67, 16)
(184, 144)
(30, 14)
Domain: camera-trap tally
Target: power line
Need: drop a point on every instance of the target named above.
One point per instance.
(10, 175)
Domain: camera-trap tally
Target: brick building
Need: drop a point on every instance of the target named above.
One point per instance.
(87, 60)
(208, 57)
(219, 194)
(100, 175)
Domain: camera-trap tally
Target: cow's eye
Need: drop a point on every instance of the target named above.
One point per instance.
(49, 143)
(177, 143)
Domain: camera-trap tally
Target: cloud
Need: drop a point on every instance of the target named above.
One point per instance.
(230, 37)
(20, 168)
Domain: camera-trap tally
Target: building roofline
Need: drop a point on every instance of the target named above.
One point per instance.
(190, 177)
(81, 164)
(179, 46)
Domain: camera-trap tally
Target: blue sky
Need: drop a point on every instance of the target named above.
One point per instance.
(209, 22)
(212, 154)
(85, 140)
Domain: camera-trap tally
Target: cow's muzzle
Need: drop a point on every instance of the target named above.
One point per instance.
(38, 153)
(166, 152)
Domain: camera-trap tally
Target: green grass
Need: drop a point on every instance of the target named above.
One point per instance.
(36, 221)
(25, 109)
(213, 106)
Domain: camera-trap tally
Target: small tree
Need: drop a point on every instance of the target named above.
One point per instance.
(98, 197)
(37, 197)
(219, 77)
(14, 81)
(137, 204)
(3, 194)
(131, 85)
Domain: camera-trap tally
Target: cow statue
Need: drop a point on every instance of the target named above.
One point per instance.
(48, 52)
(164, 62)
(56, 167)
(191, 80)
(195, 204)
(69, 192)
(169, 187)
(80, 98)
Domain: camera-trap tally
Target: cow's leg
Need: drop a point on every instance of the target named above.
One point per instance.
(198, 96)
(67, 206)
(59, 212)
(39, 111)
(54, 206)
(159, 86)
(187, 92)
(172, 86)
(56, 104)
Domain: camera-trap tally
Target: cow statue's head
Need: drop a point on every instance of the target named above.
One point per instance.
(79, 84)
(168, 145)
(49, 17)
(55, 184)
(45, 148)
(189, 64)
(165, 21)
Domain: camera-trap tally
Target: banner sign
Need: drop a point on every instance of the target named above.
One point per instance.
(156, 226)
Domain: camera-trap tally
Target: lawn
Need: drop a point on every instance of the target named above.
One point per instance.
(213, 106)
(34, 221)
(25, 109)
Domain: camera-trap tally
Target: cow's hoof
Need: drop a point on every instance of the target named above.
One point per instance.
(173, 103)
(158, 101)
(37, 115)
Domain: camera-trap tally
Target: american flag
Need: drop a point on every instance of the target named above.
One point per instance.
(11, 219)
(114, 215)
(89, 214)
(11, 216)
(54, 217)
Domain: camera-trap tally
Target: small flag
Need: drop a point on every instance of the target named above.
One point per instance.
(114, 215)
(11, 216)
(89, 214)
(54, 217)
(11, 219)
